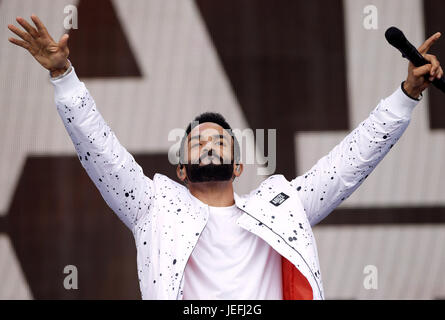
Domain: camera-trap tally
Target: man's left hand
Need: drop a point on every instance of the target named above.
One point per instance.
(416, 81)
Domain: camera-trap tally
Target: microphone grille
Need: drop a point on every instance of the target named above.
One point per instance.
(395, 37)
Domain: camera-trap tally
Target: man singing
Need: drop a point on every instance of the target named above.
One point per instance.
(199, 239)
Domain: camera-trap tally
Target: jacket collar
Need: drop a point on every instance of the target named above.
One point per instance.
(239, 201)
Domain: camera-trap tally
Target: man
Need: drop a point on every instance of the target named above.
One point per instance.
(202, 240)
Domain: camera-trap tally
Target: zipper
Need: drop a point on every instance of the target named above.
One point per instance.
(313, 276)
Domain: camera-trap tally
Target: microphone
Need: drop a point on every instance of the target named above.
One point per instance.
(398, 40)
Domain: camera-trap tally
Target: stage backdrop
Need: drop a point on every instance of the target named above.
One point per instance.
(310, 69)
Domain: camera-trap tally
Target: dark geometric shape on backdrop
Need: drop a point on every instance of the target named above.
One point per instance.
(285, 60)
(99, 47)
(58, 217)
(434, 22)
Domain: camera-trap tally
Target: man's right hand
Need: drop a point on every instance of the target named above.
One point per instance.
(51, 55)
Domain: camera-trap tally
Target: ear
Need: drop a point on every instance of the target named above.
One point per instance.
(238, 169)
(181, 172)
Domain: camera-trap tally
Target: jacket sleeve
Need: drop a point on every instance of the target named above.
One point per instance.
(339, 173)
(120, 180)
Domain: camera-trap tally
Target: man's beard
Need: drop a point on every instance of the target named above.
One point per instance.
(209, 172)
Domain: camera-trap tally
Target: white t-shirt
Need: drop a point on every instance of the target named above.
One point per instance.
(230, 262)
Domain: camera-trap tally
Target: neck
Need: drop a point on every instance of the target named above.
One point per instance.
(215, 194)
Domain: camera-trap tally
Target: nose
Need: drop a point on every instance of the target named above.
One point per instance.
(206, 153)
(207, 149)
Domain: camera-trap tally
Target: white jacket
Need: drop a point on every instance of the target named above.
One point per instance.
(166, 223)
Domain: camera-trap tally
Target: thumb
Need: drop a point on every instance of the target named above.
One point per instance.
(63, 42)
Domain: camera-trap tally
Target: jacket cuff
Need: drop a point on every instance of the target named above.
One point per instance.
(400, 104)
(66, 85)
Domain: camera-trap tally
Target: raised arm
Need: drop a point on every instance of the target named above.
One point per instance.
(120, 180)
(338, 174)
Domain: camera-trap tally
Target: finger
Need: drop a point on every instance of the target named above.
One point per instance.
(32, 31)
(40, 26)
(19, 43)
(434, 62)
(63, 42)
(428, 43)
(22, 34)
(423, 70)
(440, 73)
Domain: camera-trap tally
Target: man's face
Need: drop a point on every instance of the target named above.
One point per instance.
(209, 143)
(209, 153)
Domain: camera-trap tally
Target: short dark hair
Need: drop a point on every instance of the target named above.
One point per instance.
(213, 117)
